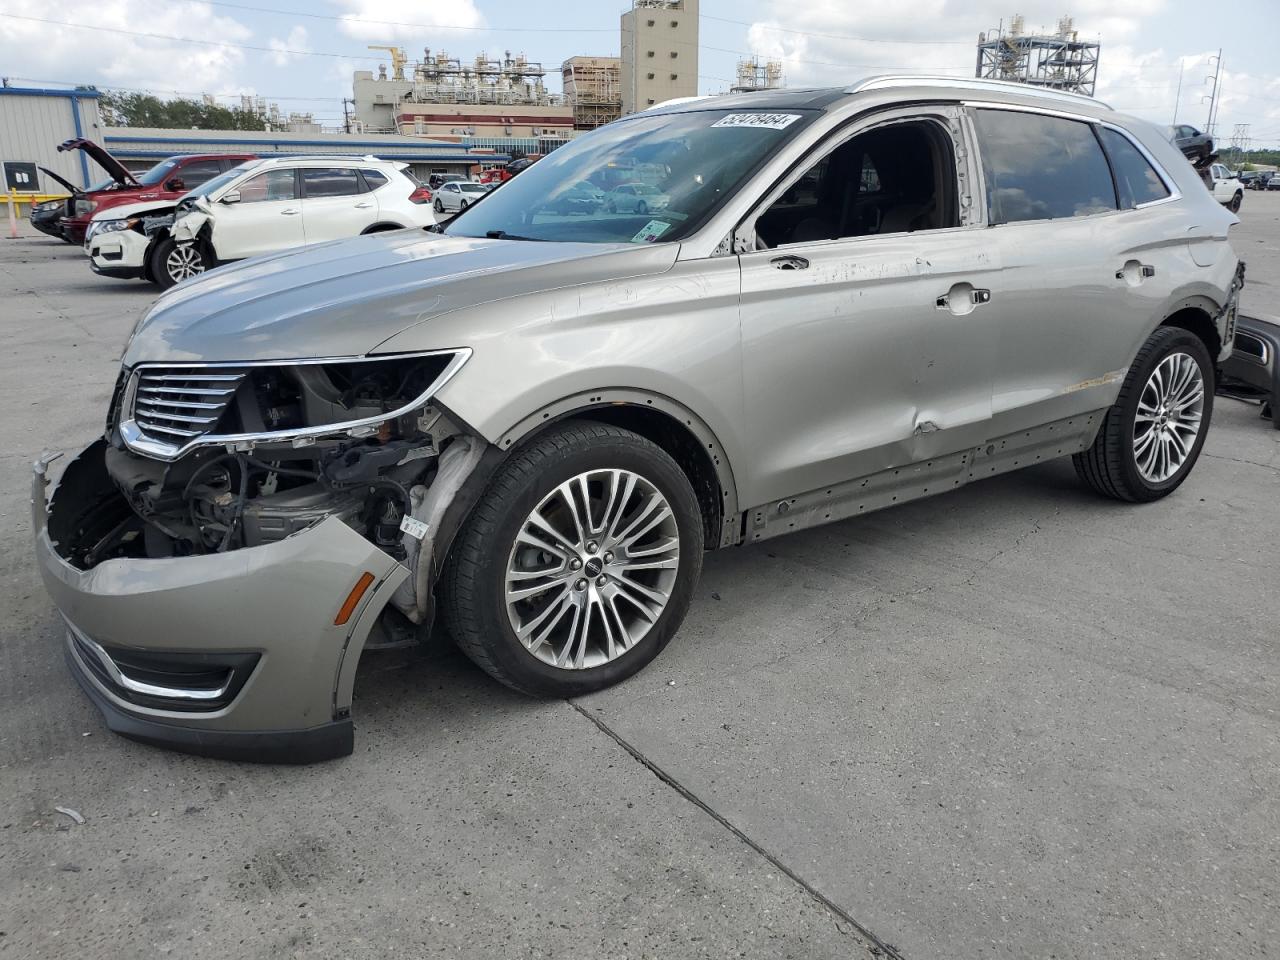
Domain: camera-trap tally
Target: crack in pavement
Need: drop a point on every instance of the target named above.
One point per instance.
(874, 945)
(1253, 463)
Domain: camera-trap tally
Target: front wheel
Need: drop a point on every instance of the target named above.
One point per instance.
(173, 262)
(439, 206)
(642, 207)
(577, 565)
(1152, 435)
(1234, 205)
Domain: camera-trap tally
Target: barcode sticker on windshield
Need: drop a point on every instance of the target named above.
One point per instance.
(651, 231)
(766, 121)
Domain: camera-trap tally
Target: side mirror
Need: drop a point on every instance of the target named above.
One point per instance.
(231, 196)
(175, 185)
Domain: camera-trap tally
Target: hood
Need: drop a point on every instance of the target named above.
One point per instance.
(74, 190)
(123, 211)
(115, 169)
(347, 297)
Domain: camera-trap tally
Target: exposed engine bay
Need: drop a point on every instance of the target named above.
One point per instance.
(217, 458)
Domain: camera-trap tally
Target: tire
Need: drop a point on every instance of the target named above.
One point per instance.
(1113, 466)
(464, 206)
(1234, 205)
(611, 207)
(165, 257)
(439, 206)
(475, 604)
(642, 207)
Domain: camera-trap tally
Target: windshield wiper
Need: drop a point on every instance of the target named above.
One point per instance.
(503, 235)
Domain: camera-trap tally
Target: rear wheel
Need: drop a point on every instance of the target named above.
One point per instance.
(173, 262)
(642, 207)
(439, 206)
(577, 565)
(1152, 435)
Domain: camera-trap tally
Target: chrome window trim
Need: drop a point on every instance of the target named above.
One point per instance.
(1174, 193)
(136, 440)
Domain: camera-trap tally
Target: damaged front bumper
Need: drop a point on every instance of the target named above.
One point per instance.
(249, 654)
(120, 253)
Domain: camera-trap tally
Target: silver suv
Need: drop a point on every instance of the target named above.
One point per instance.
(534, 421)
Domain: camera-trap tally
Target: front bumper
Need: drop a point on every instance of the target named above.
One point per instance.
(269, 610)
(121, 253)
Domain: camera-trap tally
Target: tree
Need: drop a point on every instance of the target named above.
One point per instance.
(144, 110)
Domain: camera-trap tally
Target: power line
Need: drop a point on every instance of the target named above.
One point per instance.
(180, 93)
(400, 23)
(831, 36)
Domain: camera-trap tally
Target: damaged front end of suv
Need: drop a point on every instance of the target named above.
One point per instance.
(323, 481)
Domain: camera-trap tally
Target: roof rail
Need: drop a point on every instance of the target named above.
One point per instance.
(889, 80)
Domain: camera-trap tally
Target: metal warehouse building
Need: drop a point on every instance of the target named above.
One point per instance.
(34, 121)
(32, 124)
(140, 147)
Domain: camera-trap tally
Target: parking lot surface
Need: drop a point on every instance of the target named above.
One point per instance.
(1012, 721)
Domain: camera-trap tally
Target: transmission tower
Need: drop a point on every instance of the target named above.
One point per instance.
(1240, 137)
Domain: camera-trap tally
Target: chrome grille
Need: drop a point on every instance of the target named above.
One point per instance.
(178, 404)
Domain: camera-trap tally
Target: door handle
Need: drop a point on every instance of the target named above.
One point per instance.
(363, 206)
(976, 297)
(289, 213)
(790, 262)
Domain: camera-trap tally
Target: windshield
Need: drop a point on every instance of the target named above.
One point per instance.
(471, 188)
(678, 169)
(221, 180)
(157, 173)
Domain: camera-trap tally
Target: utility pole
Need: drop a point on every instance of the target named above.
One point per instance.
(1177, 99)
(1213, 97)
(346, 117)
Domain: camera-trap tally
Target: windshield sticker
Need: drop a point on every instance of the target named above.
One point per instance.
(764, 121)
(651, 231)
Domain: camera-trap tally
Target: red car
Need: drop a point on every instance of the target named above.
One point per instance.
(167, 180)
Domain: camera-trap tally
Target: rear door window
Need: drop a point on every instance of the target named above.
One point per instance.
(1136, 180)
(330, 182)
(1039, 167)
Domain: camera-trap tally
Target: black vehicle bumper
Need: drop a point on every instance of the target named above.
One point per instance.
(1253, 369)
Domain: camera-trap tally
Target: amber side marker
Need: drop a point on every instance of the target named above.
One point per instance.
(353, 599)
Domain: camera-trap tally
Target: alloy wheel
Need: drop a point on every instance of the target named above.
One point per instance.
(592, 569)
(183, 262)
(1168, 418)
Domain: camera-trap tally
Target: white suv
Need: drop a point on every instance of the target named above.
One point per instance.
(263, 206)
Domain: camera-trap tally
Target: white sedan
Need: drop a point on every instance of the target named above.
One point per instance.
(457, 195)
(635, 198)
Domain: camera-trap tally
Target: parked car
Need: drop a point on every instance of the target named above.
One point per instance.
(262, 206)
(437, 180)
(1252, 372)
(47, 215)
(536, 424)
(635, 198)
(1194, 144)
(1247, 178)
(166, 181)
(1227, 190)
(579, 197)
(1273, 182)
(455, 195)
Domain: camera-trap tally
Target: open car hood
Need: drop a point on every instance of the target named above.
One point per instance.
(73, 190)
(115, 169)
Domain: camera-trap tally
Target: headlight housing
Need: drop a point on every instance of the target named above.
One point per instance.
(113, 226)
(85, 207)
(166, 410)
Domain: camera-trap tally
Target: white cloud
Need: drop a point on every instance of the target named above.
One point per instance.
(286, 51)
(420, 21)
(42, 51)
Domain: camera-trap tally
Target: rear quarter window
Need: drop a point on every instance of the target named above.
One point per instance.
(1039, 167)
(1136, 180)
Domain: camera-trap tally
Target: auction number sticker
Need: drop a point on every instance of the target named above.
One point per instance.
(763, 121)
(651, 231)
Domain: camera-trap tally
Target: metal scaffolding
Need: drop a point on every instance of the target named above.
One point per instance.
(754, 75)
(1061, 61)
(593, 87)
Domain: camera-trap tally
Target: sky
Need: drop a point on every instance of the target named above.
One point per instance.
(302, 54)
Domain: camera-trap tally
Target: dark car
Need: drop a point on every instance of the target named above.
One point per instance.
(1273, 182)
(47, 216)
(437, 180)
(1194, 144)
(167, 180)
(1251, 372)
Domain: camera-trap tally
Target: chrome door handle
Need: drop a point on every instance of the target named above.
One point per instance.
(290, 212)
(790, 262)
(363, 206)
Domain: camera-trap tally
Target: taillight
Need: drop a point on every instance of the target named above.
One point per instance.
(421, 195)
